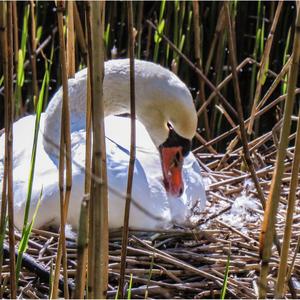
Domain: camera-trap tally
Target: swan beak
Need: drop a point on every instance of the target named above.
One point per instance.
(172, 161)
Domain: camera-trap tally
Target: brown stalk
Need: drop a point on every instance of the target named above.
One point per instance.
(99, 198)
(3, 37)
(83, 233)
(268, 225)
(198, 47)
(219, 29)
(221, 85)
(243, 135)
(33, 54)
(88, 173)
(258, 114)
(292, 264)
(275, 83)
(246, 61)
(132, 152)
(79, 32)
(197, 71)
(82, 244)
(70, 40)
(15, 27)
(7, 57)
(289, 219)
(139, 27)
(263, 64)
(65, 156)
(199, 137)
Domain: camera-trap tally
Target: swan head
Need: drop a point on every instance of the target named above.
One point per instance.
(172, 153)
(171, 120)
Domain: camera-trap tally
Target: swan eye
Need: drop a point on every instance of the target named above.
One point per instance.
(169, 125)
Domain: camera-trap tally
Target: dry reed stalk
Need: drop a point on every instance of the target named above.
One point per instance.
(221, 109)
(70, 40)
(7, 56)
(229, 150)
(292, 264)
(199, 137)
(139, 27)
(268, 225)
(219, 28)
(90, 270)
(275, 83)
(99, 198)
(79, 33)
(221, 85)
(82, 244)
(3, 37)
(198, 47)
(83, 233)
(233, 130)
(282, 272)
(16, 39)
(243, 135)
(196, 70)
(33, 54)
(65, 156)
(132, 151)
(263, 65)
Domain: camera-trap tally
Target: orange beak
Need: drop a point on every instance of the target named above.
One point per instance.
(172, 161)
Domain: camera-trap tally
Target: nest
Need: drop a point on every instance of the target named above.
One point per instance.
(185, 262)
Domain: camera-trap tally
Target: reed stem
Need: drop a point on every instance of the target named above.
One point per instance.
(98, 264)
(9, 101)
(132, 152)
(65, 156)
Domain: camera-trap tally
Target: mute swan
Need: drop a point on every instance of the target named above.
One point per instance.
(163, 104)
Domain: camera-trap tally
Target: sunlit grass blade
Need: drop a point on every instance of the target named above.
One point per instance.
(27, 228)
(34, 147)
(160, 29)
(129, 288)
(285, 58)
(39, 33)
(25, 238)
(48, 65)
(150, 275)
(25, 29)
(106, 35)
(225, 282)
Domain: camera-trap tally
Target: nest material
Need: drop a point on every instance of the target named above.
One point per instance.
(185, 263)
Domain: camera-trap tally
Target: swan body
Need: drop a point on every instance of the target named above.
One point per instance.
(153, 206)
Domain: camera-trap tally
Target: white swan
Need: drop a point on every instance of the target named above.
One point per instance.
(161, 99)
